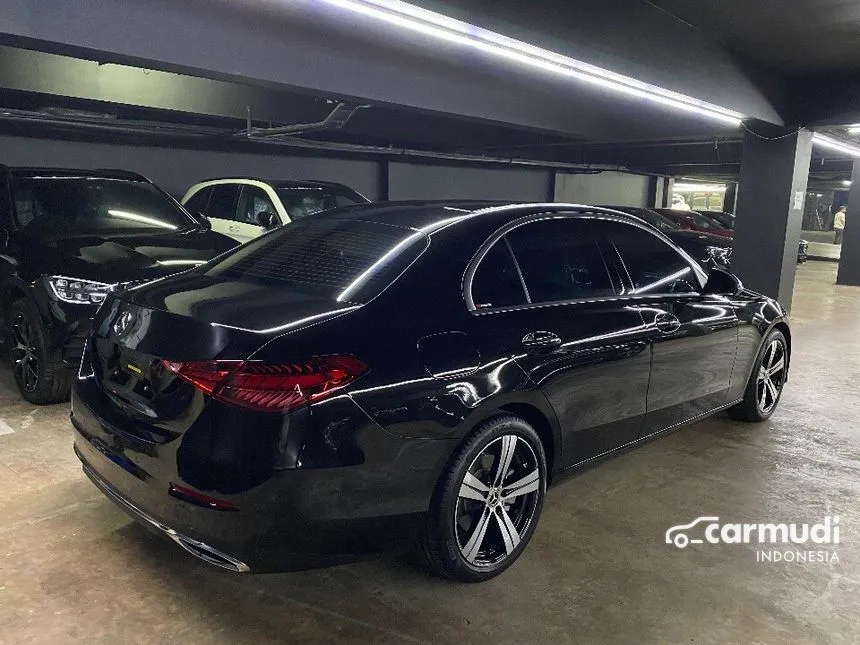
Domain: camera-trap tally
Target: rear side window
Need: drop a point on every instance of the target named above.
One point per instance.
(496, 282)
(197, 203)
(222, 204)
(653, 265)
(560, 260)
(345, 260)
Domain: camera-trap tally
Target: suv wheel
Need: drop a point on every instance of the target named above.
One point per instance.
(40, 377)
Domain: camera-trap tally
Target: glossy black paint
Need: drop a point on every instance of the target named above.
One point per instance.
(353, 471)
(108, 258)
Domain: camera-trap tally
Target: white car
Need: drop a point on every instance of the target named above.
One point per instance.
(245, 208)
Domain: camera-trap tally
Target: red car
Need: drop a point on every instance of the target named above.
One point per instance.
(696, 221)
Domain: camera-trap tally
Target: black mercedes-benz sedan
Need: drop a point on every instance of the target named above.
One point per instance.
(67, 237)
(408, 369)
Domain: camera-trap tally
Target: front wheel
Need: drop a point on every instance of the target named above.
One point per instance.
(488, 502)
(767, 380)
(41, 378)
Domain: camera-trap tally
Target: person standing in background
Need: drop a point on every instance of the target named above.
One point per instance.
(839, 224)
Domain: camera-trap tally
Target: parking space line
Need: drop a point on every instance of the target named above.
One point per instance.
(5, 428)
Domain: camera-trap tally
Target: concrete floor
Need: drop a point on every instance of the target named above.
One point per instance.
(74, 569)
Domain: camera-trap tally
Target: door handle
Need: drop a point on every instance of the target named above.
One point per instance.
(541, 340)
(667, 323)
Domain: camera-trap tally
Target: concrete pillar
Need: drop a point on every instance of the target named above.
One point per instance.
(731, 198)
(657, 187)
(849, 257)
(668, 189)
(771, 191)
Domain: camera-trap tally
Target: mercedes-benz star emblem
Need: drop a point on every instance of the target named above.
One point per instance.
(123, 323)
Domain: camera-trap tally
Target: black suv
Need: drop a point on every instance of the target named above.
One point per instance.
(68, 238)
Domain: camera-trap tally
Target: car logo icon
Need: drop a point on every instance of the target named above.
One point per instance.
(677, 534)
(123, 323)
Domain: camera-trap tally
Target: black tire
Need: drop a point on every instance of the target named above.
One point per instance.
(760, 400)
(41, 376)
(453, 524)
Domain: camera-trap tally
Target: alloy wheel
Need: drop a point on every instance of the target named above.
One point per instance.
(497, 501)
(771, 376)
(24, 353)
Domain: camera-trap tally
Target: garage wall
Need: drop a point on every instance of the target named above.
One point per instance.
(176, 170)
(418, 181)
(608, 188)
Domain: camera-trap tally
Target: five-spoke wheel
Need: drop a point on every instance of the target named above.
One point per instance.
(488, 502)
(765, 384)
(497, 502)
(771, 375)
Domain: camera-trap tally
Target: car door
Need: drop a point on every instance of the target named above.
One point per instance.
(254, 202)
(693, 336)
(545, 292)
(221, 210)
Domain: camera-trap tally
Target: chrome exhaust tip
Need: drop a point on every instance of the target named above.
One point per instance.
(198, 549)
(208, 554)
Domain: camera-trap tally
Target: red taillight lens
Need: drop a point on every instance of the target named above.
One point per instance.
(270, 386)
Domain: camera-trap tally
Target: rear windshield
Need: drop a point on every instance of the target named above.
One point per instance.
(345, 260)
(84, 205)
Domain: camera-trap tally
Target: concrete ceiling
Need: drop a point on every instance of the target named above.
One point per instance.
(794, 37)
(209, 62)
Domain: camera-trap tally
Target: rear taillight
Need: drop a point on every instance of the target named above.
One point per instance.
(270, 386)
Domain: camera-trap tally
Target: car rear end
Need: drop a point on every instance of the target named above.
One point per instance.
(251, 463)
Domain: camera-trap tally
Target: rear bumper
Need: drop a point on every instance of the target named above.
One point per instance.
(297, 518)
(198, 549)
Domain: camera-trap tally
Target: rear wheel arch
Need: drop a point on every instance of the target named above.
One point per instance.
(542, 425)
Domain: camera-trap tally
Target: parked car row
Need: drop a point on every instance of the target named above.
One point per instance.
(706, 235)
(365, 374)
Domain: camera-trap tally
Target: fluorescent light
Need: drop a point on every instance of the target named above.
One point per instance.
(846, 182)
(699, 188)
(429, 23)
(854, 129)
(836, 144)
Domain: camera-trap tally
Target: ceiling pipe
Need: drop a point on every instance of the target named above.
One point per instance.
(335, 120)
(100, 123)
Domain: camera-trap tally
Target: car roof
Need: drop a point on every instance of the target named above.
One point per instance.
(433, 215)
(101, 173)
(282, 183)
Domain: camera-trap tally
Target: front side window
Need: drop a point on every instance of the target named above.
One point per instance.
(198, 202)
(560, 260)
(253, 202)
(88, 205)
(654, 266)
(222, 203)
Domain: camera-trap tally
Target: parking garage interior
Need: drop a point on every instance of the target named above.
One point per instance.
(751, 109)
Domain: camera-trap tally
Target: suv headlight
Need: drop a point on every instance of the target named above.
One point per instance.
(77, 291)
(719, 254)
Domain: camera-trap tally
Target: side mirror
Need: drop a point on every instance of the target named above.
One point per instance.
(267, 219)
(205, 224)
(723, 283)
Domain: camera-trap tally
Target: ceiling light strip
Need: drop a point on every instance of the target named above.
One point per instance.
(429, 23)
(835, 144)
